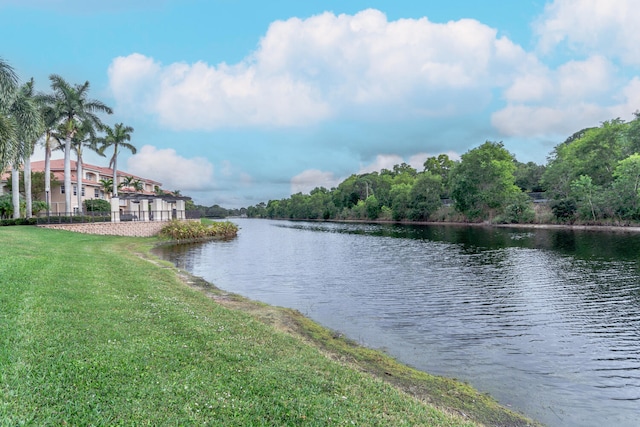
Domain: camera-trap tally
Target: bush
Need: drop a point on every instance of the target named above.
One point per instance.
(193, 230)
(97, 205)
(19, 221)
(564, 210)
(519, 211)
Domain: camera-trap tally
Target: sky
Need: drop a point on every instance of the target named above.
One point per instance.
(237, 102)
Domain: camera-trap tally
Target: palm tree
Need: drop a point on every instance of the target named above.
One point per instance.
(51, 138)
(128, 181)
(138, 186)
(117, 137)
(8, 86)
(81, 140)
(39, 127)
(107, 185)
(26, 114)
(73, 108)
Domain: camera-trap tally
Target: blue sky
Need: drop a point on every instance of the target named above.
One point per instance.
(237, 102)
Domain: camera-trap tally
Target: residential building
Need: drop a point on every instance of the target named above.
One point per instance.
(133, 204)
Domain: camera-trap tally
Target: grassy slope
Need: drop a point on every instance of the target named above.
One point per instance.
(92, 334)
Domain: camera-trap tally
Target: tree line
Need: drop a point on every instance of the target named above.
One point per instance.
(65, 119)
(592, 177)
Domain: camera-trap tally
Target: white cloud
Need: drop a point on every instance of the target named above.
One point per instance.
(545, 102)
(312, 178)
(577, 94)
(132, 81)
(172, 170)
(581, 80)
(305, 71)
(524, 120)
(383, 161)
(609, 27)
(573, 81)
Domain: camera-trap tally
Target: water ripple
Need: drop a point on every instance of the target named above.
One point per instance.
(546, 321)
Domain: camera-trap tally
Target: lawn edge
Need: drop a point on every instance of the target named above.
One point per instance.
(445, 394)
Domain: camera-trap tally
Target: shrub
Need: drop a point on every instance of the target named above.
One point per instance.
(97, 205)
(19, 221)
(565, 209)
(519, 211)
(193, 230)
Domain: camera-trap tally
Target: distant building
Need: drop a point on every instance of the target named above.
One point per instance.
(133, 204)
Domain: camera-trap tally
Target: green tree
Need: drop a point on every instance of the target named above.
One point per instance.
(559, 173)
(117, 137)
(425, 196)
(84, 137)
(138, 186)
(26, 114)
(372, 207)
(483, 181)
(626, 187)
(400, 201)
(592, 152)
(8, 125)
(404, 174)
(632, 135)
(321, 203)
(73, 108)
(348, 192)
(584, 191)
(440, 166)
(107, 185)
(37, 184)
(51, 139)
(528, 176)
(257, 211)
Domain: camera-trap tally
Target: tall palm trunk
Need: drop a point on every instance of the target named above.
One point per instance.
(15, 189)
(67, 175)
(79, 182)
(47, 173)
(115, 173)
(27, 186)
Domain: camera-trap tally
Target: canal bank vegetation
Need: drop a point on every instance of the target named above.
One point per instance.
(96, 331)
(181, 231)
(592, 178)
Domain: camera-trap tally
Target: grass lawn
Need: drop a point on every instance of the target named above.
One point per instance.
(93, 334)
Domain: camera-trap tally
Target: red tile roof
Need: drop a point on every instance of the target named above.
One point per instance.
(57, 168)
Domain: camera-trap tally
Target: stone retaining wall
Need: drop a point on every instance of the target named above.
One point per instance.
(133, 228)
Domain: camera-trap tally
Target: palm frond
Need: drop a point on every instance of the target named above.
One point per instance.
(8, 82)
(8, 142)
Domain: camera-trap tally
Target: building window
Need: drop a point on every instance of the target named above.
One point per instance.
(96, 193)
(62, 189)
(75, 190)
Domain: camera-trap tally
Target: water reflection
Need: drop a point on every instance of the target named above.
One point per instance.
(547, 321)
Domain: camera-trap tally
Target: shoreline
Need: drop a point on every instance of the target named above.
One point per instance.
(575, 227)
(446, 394)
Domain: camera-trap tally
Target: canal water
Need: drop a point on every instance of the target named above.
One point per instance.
(546, 321)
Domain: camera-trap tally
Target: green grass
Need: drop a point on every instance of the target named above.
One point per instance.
(92, 334)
